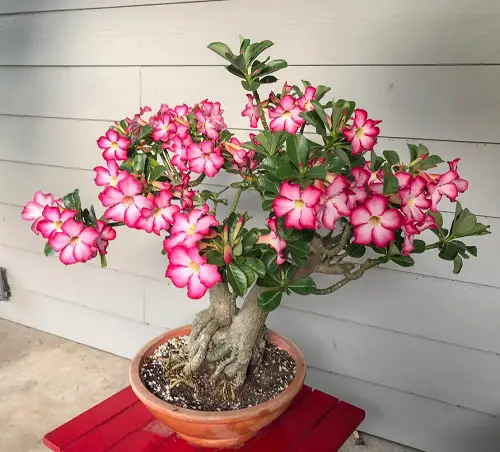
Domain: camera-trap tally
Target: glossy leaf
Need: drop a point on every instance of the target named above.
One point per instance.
(268, 301)
(392, 157)
(297, 150)
(48, 250)
(303, 286)
(403, 261)
(255, 264)
(237, 278)
(457, 264)
(355, 250)
(316, 172)
(222, 50)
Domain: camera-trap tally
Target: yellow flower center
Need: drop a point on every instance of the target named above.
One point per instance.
(128, 201)
(191, 229)
(374, 221)
(114, 145)
(194, 266)
(287, 115)
(58, 224)
(360, 133)
(156, 212)
(113, 181)
(164, 127)
(411, 202)
(75, 240)
(299, 204)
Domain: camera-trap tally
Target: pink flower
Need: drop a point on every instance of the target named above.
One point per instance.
(33, 210)
(334, 203)
(300, 207)
(125, 201)
(159, 216)
(358, 193)
(414, 199)
(363, 133)
(164, 128)
(404, 179)
(243, 158)
(411, 229)
(189, 228)
(135, 124)
(75, 242)
(286, 116)
(374, 222)
(252, 111)
(188, 268)
(115, 146)
(376, 181)
(203, 158)
(110, 176)
(462, 184)
(449, 184)
(179, 147)
(274, 241)
(52, 220)
(305, 101)
(209, 118)
(106, 234)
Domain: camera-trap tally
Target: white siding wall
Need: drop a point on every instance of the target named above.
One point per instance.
(419, 349)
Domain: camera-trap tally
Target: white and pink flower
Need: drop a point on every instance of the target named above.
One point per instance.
(286, 115)
(244, 159)
(363, 133)
(359, 186)
(448, 184)
(305, 101)
(52, 220)
(209, 118)
(33, 210)
(159, 216)
(299, 207)
(164, 127)
(252, 111)
(414, 199)
(188, 268)
(189, 228)
(75, 243)
(204, 158)
(374, 222)
(115, 146)
(110, 175)
(106, 234)
(334, 202)
(125, 201)
(411, 229)
(274, 241)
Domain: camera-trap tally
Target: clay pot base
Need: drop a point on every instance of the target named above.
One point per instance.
(212, 428)
(162, 374)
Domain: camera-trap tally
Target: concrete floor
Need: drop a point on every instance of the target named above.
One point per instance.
(46, 380)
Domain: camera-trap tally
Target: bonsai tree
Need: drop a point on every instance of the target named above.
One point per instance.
(330, 201)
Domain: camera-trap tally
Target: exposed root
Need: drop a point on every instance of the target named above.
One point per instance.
(221, 366)
(204, 327)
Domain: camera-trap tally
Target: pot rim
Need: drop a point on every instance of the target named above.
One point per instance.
(197, 416)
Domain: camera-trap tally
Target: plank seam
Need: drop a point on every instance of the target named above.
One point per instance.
(20, 13)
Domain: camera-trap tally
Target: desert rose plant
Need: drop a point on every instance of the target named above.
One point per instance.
(330, 200)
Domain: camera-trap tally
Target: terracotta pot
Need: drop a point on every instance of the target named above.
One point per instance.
(214, 428)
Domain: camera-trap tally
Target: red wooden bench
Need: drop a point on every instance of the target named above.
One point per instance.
(315, 422)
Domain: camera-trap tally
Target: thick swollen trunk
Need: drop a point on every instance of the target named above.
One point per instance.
(234, 337)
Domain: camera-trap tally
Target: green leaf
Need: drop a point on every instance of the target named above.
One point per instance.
(449, 251)
(297, 150)
(392, 157)
(270, 300)
(268, 79)
(413, 152)
(419, 246)
(157, 172)
(403, 261)
(72, 200)
(222, 50)
(255, 49)
(215, 258)
(238, 249)
(286, 171)
(464, 222)
(235, 71)
(478, 229)
(269, 260)
(438, 217)
(391, 184)
(422, 150)
(457, 264)
(255, 264)
(92, 215)
(249, 274)
(237, 278)
(321, 90)
(139, 163)
(250, 238)
(267, 204)
(250, 86)
(273, 66)
(316, 172)
(48, 250)
(244, 43)
(303, 286)
(430, 162)
(311, 117)
(342, 156)
(299, 247)
(355, 250)
(318, 108)
(472, 250)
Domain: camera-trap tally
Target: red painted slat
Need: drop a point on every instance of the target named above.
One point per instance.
(176, 444)
(145, 439)
(294, 424)
(333, 430)
(89, 420)
(108, 434)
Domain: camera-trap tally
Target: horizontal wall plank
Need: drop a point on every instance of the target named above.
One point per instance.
(97, 329)
(34, 143)
(436, 370)
(412, 420)
(101, 289)
(419, 102)
(30, 6)
(95, 93)
(389, 32)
